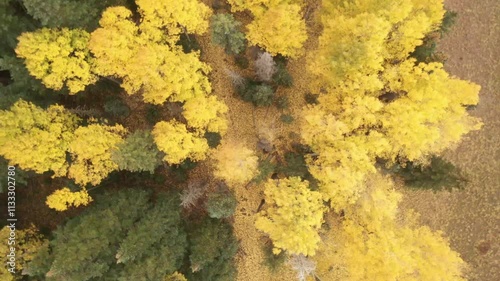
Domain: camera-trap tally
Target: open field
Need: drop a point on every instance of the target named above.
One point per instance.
(470, 218)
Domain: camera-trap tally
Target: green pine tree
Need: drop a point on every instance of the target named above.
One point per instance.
(225, 33)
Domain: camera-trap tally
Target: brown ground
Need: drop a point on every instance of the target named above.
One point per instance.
(470, 218)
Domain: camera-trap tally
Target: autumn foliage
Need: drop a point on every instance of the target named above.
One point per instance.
(376, 106)
(293, 217)
(58, 58)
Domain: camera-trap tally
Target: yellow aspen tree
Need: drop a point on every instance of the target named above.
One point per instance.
(91, 151)
(58, 57)
(28, 242)
(294, 216)
(350, 53)
(62, 199)
(374, 243)
(160, 71)
(206, 114)
(339, 133)
(279, 30)
(423, 18)
(164, 20)
(37, 139)
(115, 42)
(373, 105)
(178, 143)
(234, 164)
(430, 112)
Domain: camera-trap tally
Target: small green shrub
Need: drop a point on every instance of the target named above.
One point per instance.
(213, 139)
(287, 119)
(282, 102)
(225, 33)
(272, 261)
(241, 61)
(282, 77)
(152, 114)
(449, 20)
(221, 204)
(439, 174)
(295, 166)
(116, 108)
(189, 43)
(258, 93)
(311, 98)
(180, 171)
(266, 169)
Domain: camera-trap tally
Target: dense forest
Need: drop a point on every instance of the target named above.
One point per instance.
(156, 140)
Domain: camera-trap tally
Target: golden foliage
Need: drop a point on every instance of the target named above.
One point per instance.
(178, 143)
(257, 7)
(62, 199)
(279, 30)
(27, 242)
(37, 139)
(59, 57)
(375, 104)
(293, 217)
(91, 152)
(375, 244)
(341, 132)
(350, 53)
(164, 20)
(162, 73)
(158, 70)
(115, 43)
(430, 115)
(206, 114)
(236, 165)
(175, 277)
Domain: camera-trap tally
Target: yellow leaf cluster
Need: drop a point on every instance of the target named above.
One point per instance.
(176, 277)
(62, 199)
(173, 18)
(91, 152)
(58, 57)
(279, 30)
(375, 104)
(257, 7)
(159, 70)
(27, 243)
(206, 114)
(115, 43)
(351, 53)
(294, 216)
(178, 143)
(340, 132)
(37, 139)
(366, 34)
(431, 115)
(234, 164)
(374, 243)
(162, 74)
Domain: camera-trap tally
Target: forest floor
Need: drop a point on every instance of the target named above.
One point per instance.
(470, 217)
